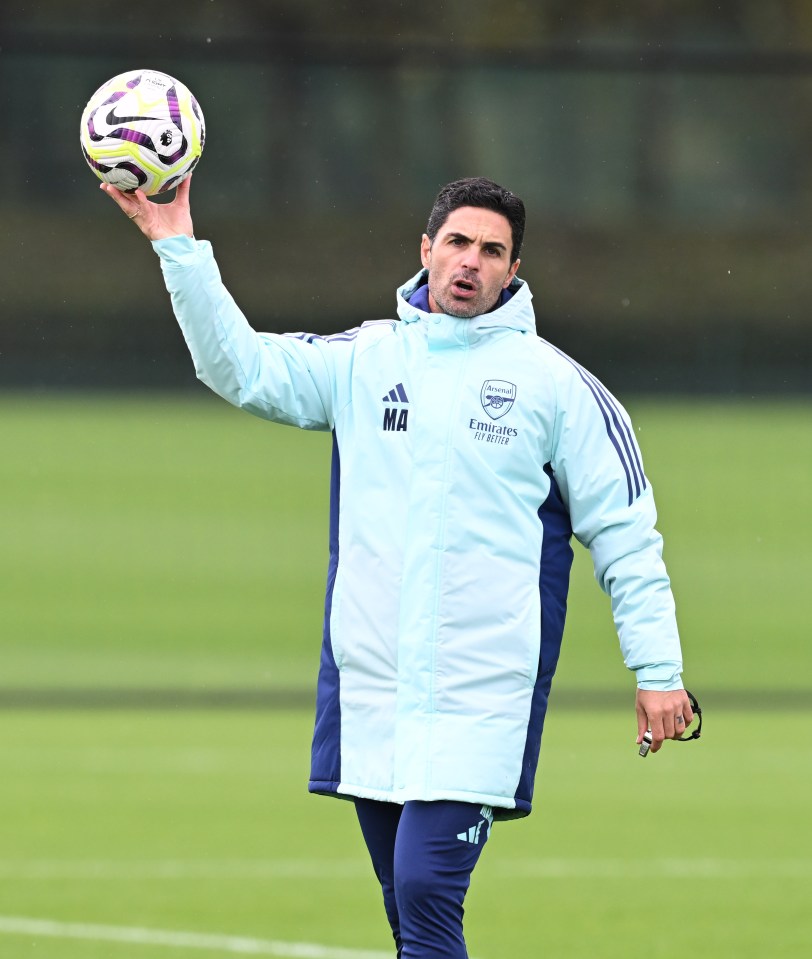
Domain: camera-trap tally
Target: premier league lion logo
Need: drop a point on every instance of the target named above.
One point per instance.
(497, 396)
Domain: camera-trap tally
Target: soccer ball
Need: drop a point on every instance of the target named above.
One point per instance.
(142, 130)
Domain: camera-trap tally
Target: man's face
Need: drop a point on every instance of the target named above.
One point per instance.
(468, 262)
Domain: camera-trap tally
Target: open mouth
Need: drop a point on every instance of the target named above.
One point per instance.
(463, 288)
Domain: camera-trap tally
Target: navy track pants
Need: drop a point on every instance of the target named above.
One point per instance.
(423, 854)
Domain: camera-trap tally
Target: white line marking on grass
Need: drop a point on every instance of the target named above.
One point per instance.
(18, 925)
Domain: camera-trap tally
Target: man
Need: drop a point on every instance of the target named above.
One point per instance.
(466, 451)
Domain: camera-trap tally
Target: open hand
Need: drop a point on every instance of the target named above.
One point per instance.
(156, 221)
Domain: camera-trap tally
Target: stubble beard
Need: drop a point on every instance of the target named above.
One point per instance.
(462, 310)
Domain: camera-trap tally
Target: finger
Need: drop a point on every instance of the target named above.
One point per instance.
(684, 717)
(182, 192)
(642, 722)
(129, 203)
(682, 727)
(657, 734)
(116, 195)
(687, 712)
(143, 204)
(682, 720)
(674, 721)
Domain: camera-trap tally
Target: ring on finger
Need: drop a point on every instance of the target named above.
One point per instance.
(134, 215)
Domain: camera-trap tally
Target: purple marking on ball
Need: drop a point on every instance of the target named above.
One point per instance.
(177, 155)
(91, 127)
(94, 163)
(113, 98)
(174, 109)
(136, 171)
(170, 183)
(133, 136)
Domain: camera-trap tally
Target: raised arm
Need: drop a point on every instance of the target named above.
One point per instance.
(291, 380)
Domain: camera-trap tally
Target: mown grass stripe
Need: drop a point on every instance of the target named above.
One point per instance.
(309, 869)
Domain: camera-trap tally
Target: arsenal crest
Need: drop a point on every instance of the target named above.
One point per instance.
(497, 397)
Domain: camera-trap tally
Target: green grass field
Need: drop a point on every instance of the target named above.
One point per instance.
(198, 821)
(173, 542)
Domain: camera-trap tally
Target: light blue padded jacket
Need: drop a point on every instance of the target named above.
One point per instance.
(466, 453)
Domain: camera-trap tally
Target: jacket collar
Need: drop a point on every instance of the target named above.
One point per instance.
(515, 314)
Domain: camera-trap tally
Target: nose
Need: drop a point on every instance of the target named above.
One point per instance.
(470, 260)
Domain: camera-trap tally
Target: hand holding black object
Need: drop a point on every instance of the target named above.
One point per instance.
(647, 739)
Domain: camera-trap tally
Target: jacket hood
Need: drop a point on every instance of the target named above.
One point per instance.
(515, 314)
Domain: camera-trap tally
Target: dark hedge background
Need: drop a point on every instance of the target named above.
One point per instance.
(662, 152)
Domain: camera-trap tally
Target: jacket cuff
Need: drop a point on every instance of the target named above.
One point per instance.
(663, 677)
(177, 252)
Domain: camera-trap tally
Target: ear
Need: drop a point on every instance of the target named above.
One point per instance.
(511, 273)
(425, 251)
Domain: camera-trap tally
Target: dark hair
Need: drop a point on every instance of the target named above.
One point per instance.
(478, 191)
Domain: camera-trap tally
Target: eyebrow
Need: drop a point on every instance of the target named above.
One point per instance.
(493, 243)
